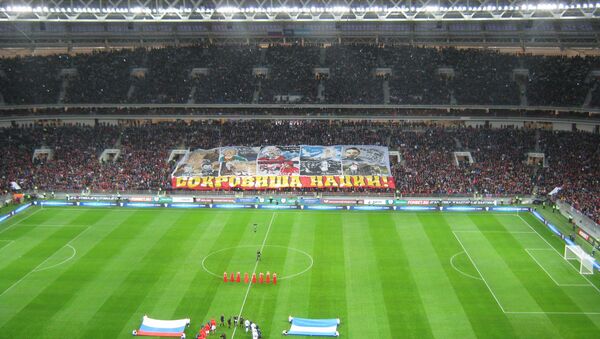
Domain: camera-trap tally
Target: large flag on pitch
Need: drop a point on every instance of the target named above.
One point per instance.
(162, 328)
(313, 327)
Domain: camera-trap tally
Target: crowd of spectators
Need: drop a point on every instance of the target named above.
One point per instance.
(573, 160)
(31, 80)
(427, 164)
(230, 79)
(352, 79)
(291, 72)
(418, 76)
(483, 77)
(430, 166)
(415, 78)
(102, 77)
(559, 81)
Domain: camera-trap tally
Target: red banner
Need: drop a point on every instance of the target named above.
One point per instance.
(583, 234)
(342, 201)
(277, 182)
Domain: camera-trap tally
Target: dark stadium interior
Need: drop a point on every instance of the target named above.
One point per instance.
(229, 76)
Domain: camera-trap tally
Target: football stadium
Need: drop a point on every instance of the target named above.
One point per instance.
(302, 168)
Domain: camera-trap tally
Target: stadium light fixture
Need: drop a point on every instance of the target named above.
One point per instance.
(338, 10)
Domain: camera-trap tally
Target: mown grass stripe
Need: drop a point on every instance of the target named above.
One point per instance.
(156, 257)
(36, 283)
(90, 294)
(62, 290)
(476, 300)
(327, 297)
(14, 221)
(24, 265)
(405, 310)
(382, 288)
(239, 258)
(367, 311)
(547, 294)
(445, 313)
(203, 289)
(4, 243)
(163, 298)
(544, 292)
(292, 295)
(262, 299)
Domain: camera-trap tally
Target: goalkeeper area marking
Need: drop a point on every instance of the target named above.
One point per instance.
(498, 274)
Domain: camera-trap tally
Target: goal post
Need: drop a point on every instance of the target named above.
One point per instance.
(586, 262)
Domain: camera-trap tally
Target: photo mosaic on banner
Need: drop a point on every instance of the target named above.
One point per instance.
(201, 162)
(279, 160)
(365, 160)
(238, 160)
(321, 160)
(314, 166)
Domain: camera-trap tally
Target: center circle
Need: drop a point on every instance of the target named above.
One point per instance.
(238, 257)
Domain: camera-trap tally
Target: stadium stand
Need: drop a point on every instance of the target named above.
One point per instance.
(479, 77)
(426, 167)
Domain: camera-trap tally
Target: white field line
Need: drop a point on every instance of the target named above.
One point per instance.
(528, 312)
(8, 242)
(478, 271)
(504, 214)
(548, 273)
(20, 221)
(134, 209)
(253, 272)
(552, 247)
(283, 277)
(26, 275)
(37, 268)
(56, 226)
(459, 271)
(62, 262)
(492, 231)
(72, 248)
(111, 209)
(556, 313)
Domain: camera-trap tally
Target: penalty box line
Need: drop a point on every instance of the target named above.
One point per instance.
(528, 250)
(8, 242)
(496, 298)
(479, 272)
(40, 265)
(19, 221)
(554, 313)
(553, 248)
(253, 272)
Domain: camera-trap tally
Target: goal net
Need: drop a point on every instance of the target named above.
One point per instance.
(575, 252)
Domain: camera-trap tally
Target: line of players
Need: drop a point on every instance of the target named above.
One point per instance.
(211, 327)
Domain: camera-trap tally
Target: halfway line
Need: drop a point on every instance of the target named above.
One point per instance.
(253, 272)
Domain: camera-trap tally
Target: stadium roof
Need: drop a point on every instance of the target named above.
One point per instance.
(474, 23)
(295, 10)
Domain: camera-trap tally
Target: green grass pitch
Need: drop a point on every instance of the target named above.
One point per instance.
(93, 273)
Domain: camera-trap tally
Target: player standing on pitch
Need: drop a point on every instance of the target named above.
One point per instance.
(258, 255)
(255, 227)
